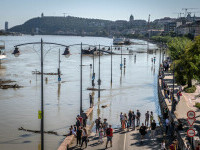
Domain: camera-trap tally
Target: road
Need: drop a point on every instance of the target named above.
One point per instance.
(124, 140)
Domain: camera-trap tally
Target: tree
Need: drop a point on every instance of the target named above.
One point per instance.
(186, 56)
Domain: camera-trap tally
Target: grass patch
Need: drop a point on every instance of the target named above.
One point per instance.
(190, 89)
(197, 105)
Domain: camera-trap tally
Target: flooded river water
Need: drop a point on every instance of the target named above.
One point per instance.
(133, 88)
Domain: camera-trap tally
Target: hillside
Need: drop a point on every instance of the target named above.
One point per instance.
(64, 25)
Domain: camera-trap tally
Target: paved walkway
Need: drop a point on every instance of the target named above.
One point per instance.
(123, 140)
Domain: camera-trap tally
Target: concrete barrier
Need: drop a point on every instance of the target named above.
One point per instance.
(181, 135)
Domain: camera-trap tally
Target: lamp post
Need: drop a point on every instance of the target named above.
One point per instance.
(173, 103)
(121, 59)
(16, 52)
(81, 96)
(99, 80)
(93, 74)
(111, 66)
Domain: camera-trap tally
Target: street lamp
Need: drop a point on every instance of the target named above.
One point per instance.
(16, 52)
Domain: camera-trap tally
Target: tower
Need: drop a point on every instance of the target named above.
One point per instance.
(42, 15)
(6, 25)
(131, 18)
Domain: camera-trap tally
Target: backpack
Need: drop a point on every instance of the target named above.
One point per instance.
(108, 131)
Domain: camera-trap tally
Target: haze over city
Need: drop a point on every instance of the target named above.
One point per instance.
(18, 11)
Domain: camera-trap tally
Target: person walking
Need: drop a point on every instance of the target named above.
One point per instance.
(78, 123)
(105, 126)
(123, 122)
(130, 117)
(121, 117)
(142, 131)
(78, 136)
(166, 125)
(84, 137)
(163, 145)
(98, 122)
(133, 120)
(101, 134)
(91, 102)
(138, 117)
(151, 117)
(147, 119)
(153, 129)
(84, 116)
(109, 134)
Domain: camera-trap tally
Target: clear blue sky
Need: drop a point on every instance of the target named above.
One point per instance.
(18, 11)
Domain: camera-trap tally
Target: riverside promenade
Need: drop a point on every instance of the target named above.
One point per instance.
(123, 140)
(186, 103)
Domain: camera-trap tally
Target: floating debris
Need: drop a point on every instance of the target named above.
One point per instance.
(10, 86)
(38, 131)
(51, 73)
(95, 89)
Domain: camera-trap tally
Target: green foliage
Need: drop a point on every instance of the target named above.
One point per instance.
(186, 56)
(163, 39)
(197, 105)
(177, 47)
(190, 89)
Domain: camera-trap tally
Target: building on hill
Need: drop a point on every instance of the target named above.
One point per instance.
(131, 19)
(6, 25)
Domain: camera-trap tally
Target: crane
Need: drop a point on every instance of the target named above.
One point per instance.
(179, 14)
(186, 10)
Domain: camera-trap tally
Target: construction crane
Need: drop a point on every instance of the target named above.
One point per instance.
(179, 14)
(186, 10)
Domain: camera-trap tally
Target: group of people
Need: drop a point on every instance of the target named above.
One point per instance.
(104, 130)
(79, 129)
(133, 120)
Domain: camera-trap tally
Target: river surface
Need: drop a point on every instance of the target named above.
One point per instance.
(134, 87)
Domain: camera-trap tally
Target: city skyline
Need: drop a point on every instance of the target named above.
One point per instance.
(22, 10)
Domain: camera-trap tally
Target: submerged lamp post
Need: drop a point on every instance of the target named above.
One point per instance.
(41, 113)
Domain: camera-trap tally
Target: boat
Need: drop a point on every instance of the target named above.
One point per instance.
(2, 51)
(118, 41)
(89, 51)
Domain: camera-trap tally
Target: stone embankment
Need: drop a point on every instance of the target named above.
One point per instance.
(68, 140)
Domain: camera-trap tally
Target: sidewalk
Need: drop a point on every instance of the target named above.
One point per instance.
(123, 140)
(186, 103)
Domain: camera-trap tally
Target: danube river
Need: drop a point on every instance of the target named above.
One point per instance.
(135, 87)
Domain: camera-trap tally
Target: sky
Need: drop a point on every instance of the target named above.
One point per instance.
(17, 12)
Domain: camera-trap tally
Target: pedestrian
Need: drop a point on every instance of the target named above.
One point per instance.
(84, 116)
(142, 131)
(178, 95)
(166, 125)
(147, 119)
(97, 121)
(126, 120)
(91, 102)
(151, 117)
(138, 115)
(121, 117)
(123, 122)
(163, 145)
(80, 119)
(153, 129)
(133, 120)
(84, 137)
(101, 134)
(78, 136)
(165, 113)
(78, 123)
(109, 134)
(130, 117)
(105, 126)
